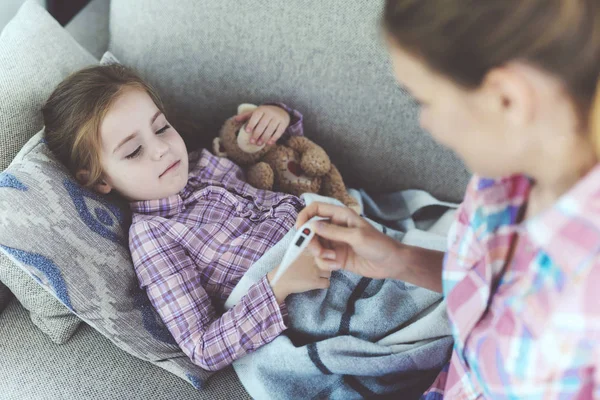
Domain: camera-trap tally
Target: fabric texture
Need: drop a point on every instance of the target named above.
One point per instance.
(36, 53)
(529, 328)
(89, 366)
(326, 58)
(190, 249)
(5, 293)
(361, 338)
(90, 27)
(46, 312)
(78, 251)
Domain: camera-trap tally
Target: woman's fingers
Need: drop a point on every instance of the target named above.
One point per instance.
(317, 250)
(327, 265)
(351, 236)
(338, 215)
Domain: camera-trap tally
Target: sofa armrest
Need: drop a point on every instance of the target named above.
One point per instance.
(90, 27)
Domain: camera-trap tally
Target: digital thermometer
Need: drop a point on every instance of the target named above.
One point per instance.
(301, 239)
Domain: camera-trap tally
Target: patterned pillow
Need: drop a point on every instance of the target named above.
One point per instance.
(36, 53)
(74, 243)
(79, 252)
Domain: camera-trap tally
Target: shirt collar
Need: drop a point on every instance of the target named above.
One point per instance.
(167, 206)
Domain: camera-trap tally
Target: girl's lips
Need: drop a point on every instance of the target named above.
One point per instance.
(172, 167)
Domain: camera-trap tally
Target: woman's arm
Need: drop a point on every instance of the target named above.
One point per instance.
(423, 267)
(347, 241)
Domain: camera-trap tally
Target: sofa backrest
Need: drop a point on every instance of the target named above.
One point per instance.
(325, 58)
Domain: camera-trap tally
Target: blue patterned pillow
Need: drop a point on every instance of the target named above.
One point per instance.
(74, 243)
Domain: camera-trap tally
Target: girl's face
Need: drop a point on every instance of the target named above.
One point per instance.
(498, 128)
(143, 157)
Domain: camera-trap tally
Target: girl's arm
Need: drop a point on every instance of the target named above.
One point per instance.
(173, 283)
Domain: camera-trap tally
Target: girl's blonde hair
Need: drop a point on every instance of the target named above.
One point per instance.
(74, 111)
(464, 39)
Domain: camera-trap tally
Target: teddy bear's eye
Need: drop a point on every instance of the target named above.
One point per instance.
(237, 133)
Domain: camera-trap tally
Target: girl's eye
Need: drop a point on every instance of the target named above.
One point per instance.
(135, 153)
(161, 130)
(139, 149)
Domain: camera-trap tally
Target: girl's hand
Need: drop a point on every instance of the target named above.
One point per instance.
(266, 124)
(303, 275)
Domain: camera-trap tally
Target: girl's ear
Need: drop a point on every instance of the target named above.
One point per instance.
(101, 187)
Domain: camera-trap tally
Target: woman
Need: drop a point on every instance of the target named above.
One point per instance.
(510, 86)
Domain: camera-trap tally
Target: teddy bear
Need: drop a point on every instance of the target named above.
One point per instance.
(293, 165)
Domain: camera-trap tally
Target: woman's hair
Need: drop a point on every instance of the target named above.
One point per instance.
(464, 39)
(74, 111)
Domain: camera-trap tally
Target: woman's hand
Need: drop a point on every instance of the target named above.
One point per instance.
(349, 242)
(266, 124)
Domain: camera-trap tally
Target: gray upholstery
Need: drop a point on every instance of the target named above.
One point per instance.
(5, 296)
(90, 27)
(325, 58)
(48, 314)
(88, 367)
(36, 53)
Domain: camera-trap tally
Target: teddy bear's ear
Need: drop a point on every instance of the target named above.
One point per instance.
(218, 148)
(242, 108)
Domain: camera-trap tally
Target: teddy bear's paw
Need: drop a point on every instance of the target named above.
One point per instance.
(261, 176)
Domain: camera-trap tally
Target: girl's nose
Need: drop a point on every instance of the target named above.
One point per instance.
(160, 149)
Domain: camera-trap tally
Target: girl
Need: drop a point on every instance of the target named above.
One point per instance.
(197, 226)
(511, 87)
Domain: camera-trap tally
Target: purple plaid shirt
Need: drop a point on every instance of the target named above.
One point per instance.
(191, 249)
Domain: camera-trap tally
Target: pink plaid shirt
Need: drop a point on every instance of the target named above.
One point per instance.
(190, 250)
(531, 332)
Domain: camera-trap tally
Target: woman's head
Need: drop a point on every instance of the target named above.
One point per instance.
(109, 128)
(498, 78)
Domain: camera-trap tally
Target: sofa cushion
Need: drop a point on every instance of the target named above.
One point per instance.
(89, 366)
(90, 27)
(5, 293)
(74, 243)
(325, 58)
(36, 53)
(46, 312)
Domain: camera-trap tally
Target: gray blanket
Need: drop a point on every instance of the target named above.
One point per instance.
(361, 338)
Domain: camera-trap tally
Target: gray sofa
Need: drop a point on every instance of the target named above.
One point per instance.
(326, 59)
